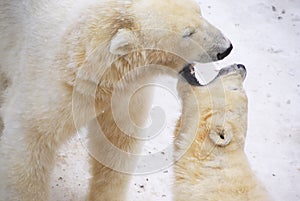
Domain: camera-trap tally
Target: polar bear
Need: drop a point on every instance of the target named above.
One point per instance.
(77, 63)
(210, 139)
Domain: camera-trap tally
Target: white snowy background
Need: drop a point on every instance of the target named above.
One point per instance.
(266, 39)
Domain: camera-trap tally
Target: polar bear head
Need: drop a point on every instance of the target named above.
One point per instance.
(214, 116)
(211, 163)
(112, 38)
(173, 26)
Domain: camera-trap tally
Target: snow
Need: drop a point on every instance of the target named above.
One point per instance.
(266, 39)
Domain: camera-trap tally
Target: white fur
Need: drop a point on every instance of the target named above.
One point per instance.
(209, 144)
(62, 61)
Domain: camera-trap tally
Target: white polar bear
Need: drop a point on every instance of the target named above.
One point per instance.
(210, 138)
(74, 63)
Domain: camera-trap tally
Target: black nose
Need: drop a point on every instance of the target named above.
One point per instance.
(221, 56)
(242, 70)
(241, 66)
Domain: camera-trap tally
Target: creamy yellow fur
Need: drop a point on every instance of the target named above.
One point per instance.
(210, 169)
(76, 63)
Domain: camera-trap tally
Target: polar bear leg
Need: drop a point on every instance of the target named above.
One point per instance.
(111, 164)
(114, 140)
(26, 159)
(107, 184)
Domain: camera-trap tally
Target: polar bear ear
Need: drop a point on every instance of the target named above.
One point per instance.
(122, 42)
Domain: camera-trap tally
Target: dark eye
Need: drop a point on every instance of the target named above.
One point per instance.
(188, 32)
(220, 138)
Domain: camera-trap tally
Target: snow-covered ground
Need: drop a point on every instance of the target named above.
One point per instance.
(266, 38)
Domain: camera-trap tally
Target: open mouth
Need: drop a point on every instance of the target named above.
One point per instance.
(233, 69)
(189, 73)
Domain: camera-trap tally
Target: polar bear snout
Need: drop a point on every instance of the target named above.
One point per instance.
(233, 69)
(224, 54)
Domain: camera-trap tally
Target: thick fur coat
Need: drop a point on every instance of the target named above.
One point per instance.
(74, 63)
(209, 144)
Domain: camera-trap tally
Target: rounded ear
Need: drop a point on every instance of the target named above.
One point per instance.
(122, 42)
(220, 138)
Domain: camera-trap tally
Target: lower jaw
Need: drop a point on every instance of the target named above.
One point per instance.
(188, 73)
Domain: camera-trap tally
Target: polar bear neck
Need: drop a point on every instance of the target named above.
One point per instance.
(141, 65)
(136, 67)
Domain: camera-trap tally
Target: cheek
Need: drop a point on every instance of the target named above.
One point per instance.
(186, 48)
(203, 39)
(191, 49)
(167, 43)
(178, 45)
(186, 43)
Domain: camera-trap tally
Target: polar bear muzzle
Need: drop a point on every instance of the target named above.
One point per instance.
(221, 56)
(188, 73)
